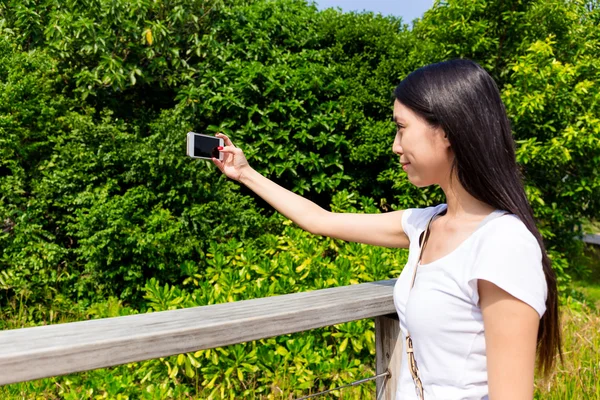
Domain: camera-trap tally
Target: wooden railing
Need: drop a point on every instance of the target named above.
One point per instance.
(592, 239)
(44, 351)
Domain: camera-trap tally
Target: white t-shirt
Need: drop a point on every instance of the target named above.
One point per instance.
(442, 310)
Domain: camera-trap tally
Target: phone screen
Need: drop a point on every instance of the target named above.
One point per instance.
(205, 146)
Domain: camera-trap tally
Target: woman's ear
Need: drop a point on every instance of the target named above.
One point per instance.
(444, 136)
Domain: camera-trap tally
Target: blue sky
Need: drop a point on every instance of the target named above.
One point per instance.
(407, 9)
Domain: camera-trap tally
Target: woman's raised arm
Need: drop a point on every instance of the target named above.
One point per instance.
(376, 229)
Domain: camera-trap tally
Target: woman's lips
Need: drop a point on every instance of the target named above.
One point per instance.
(405, 165)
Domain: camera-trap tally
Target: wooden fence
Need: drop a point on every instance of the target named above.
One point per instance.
(44, 351)
(592, 239)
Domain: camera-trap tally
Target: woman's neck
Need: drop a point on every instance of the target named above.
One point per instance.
(461, 204)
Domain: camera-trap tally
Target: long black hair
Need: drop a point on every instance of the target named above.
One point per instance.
(462, 98)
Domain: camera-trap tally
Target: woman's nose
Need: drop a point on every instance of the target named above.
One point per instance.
(397, 147)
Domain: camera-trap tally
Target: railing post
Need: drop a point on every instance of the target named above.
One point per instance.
(388, 345)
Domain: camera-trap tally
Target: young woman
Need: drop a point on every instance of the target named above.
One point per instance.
(478, 297)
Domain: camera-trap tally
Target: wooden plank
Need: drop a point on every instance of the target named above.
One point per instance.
(52, 350)
(592, 239)
(388, 344)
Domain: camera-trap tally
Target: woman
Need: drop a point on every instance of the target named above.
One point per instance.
(478, 297)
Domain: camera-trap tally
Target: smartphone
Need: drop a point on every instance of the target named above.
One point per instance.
(203, 146)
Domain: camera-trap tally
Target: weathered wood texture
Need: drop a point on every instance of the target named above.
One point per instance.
(592, 239)
(388, 347)
(52, 350)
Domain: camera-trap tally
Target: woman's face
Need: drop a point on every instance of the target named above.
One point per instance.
(425, 152)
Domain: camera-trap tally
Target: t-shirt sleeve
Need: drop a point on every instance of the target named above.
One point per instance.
(511, 258)
(409, 229)
(414, 220)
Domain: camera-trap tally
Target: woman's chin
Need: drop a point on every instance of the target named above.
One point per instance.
(420, 183)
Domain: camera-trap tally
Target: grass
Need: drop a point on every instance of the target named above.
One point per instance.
(589, 283)
(579, 376)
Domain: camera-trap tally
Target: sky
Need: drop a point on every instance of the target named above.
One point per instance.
(407, 9)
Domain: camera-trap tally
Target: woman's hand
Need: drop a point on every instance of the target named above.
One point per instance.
(234, 163)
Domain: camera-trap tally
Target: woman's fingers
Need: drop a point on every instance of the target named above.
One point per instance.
(218, 163)
(233, 158)
(229, 149)
(225, 139)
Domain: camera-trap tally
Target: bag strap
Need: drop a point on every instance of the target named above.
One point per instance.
(410, 353)
(421, 245)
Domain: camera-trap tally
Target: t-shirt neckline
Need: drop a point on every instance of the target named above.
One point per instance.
(483, 222)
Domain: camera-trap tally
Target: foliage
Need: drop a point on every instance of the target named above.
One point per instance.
(105, 48)
(29, 111)
(306, 94)
(560, 148)
(91, 206)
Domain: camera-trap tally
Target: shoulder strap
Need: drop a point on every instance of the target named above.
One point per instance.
(421, 245)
